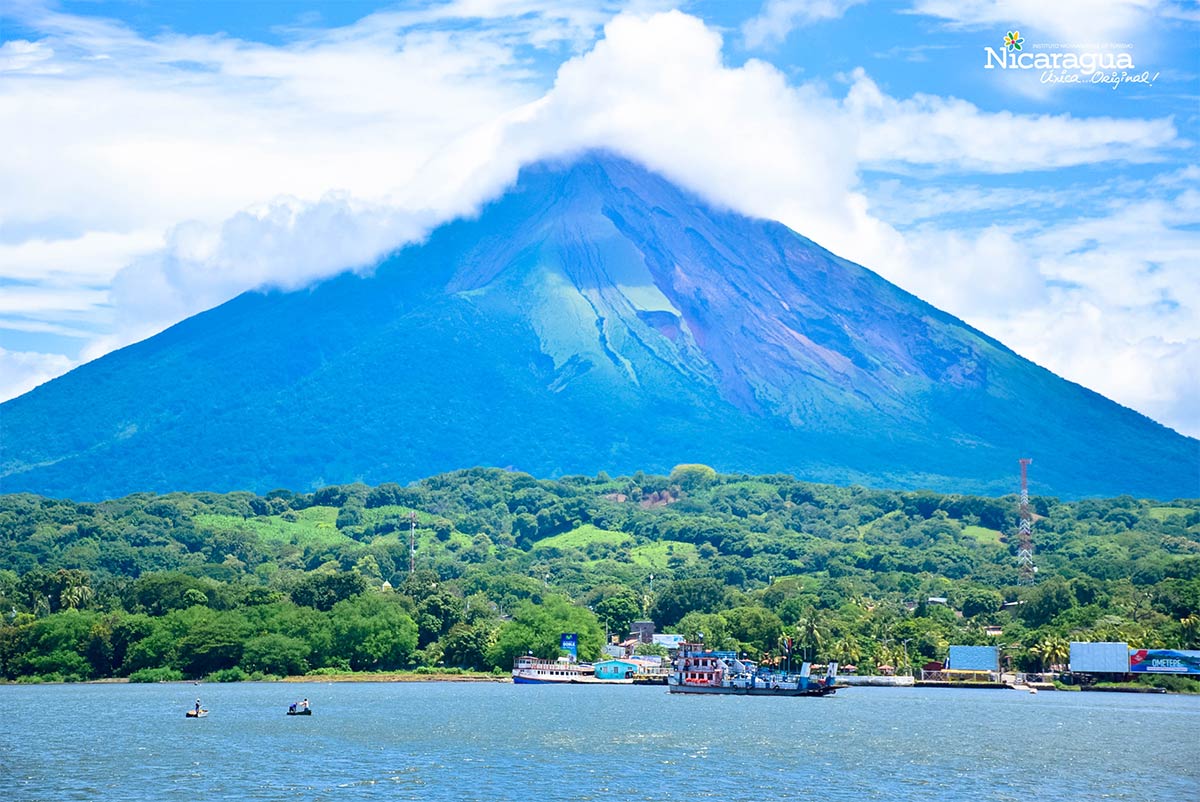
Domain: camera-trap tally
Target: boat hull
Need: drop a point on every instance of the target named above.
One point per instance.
(814, 691)
(581, 680)
(517, 680)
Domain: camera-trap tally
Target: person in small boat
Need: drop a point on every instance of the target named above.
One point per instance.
(292, 708)
(197, 707)
(304, 704)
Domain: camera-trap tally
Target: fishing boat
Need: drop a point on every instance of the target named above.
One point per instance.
(305, 712)
(196, 714)
(700, 670)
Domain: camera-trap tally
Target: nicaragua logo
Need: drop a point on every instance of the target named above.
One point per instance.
(1014, 56)
(1108, 64)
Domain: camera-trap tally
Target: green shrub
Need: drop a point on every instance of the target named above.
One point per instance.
(156, 675)
(235, 674)
(1175, 684)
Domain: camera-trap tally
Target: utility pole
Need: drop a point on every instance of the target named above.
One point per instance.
(1026, 570)
(412, 542)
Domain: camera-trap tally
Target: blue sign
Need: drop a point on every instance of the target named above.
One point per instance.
(1164, 661)
(973, 658)
(570, 644)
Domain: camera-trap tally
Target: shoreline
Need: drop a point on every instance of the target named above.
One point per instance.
(395, 676)
(349, 676)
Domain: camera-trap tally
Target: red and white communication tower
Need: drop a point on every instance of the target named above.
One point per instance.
(1026, 570)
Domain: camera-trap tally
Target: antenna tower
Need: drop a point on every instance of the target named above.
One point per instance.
(1026, 570)
(412, 541)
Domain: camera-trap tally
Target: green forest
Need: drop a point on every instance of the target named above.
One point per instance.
(238, 585)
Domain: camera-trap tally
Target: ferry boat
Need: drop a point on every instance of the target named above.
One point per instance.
(699, 670)
(530, 670)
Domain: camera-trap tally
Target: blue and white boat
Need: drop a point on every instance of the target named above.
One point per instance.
(530, 670)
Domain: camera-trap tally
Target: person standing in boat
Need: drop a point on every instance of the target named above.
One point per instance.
(304, 704)
(197, 707)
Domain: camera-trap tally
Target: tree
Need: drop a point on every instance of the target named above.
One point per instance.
(193, 597)
(538, 629)
(467, 646)
(846, 650)
(1190, 627)
(618, 611)
(692, 476)
(436, 614)
(755, 628)
(978, 601)
(373, 632)
(711, 628)
(1045, 601)
(207, 640)
(61, 589)
(322, 591)
(275, 654)
(810, 634)
(684, 596)
(1051, 650)
(159, 594)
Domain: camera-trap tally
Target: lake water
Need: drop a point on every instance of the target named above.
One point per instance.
(483, 741)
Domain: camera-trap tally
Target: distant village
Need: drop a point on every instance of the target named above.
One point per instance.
(965, 666)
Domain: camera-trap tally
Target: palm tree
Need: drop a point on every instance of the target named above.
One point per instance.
(1052, 650)
(811, 633)
(846, 650)
(75, 596)
(1191, 630)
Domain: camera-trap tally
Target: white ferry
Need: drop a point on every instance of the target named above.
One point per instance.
(530, 670)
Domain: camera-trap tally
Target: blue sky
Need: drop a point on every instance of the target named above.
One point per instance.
(158, 158)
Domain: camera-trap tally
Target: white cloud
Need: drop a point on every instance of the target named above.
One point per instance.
(94, 257)
(21, 371)
(286, 243)
(1114, 352)
(134, 136)
(280, 165)
(777, 18)
(1110, 300)
(1067, 21)
(22, 55)
(952, 134)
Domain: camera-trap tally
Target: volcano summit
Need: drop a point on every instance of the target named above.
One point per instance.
(596, 317)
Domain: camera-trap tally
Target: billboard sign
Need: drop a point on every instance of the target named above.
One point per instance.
(569, 643)
(1164, 661)
(1111, 657)
(973, 658)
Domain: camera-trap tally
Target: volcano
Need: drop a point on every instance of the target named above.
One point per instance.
(594, 318)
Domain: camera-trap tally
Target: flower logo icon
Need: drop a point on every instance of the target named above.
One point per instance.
(1013, 40)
